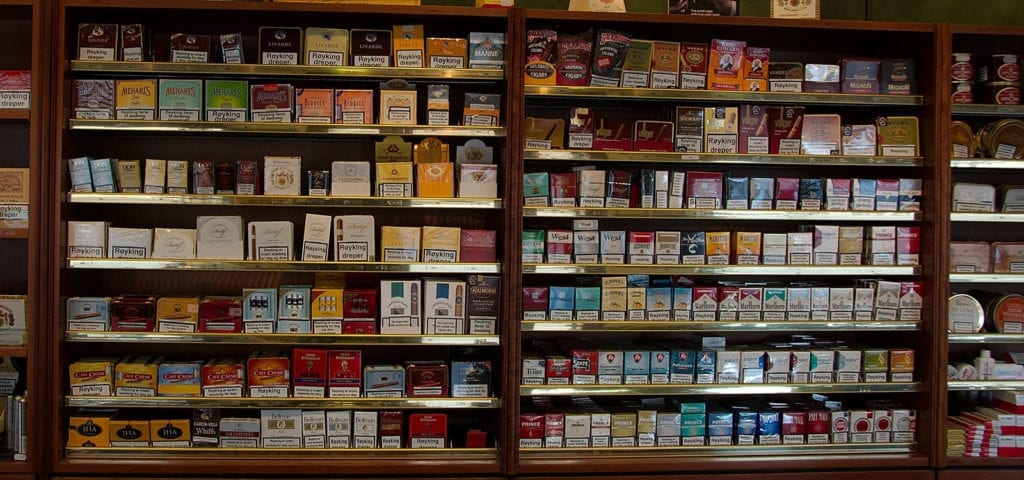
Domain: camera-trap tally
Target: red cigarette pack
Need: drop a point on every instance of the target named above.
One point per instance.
(428, 430)
(220, 315)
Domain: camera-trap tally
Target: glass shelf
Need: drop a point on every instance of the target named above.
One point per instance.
(281, 201)
(254, 70)
(281, 339)
(252, 128)
(316, 403)
(719, 158)
(725, 270)
(684, 326)
(707, 214)
(717, 389)
(721, 96)
(253, 265)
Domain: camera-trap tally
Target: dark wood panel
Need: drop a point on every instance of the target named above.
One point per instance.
(831, 475)
(987, 474)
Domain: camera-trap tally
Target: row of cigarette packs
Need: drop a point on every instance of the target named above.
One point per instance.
(693, 189)
(609, 58)
(813, 245)
(984, 257)
(981, 198)
(748, 129)
(301, 373)
(349, 237)
(283, 176)
(445, 307)
(663, 423)
(634, 298)
(402, 46)
(989, 431)
(193, 100)
(13, 421)
(803, 360)
(275, 429)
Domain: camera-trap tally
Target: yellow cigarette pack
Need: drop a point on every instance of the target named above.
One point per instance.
(394, 179)
(136, 99)
(447, 52)
(177, 314)
(400, 244)
(326, 304)
(408, 45)
(129, 433)
(435, 180)
(92, 376)
(90, 428)
(136, 376)
(175, 432)
(441, 244)
(747, 248)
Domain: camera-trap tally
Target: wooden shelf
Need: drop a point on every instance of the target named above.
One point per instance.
(663, 94)
(721, 270)
(257, 266)
(987, 217)
(253, 70)
(551, 326)
(707, 214)
(986, 278)
(313, 403)
(716, 389)
(282, 201)
(987, 163)
(720, 158)
(297, 129)
(15, 115)
(990, 338)
(12, 351)
(983, 385)
(979, 109)
(281, 339)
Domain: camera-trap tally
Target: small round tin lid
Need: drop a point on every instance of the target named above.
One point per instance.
(965, 314)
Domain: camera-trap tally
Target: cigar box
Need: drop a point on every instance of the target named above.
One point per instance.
(181, 100)
(271, 241)
(93, 99)
(97, 176)
(354, 238)
(271, 103)
(353, 106)
(544, 133)
(129, 176)
(227, 100)
(970, 257)
(426, 379)
(693, 66)
(370, 48)
(316, 238)
(188, 48)
(177, 314)
(132, 313)
(704, 190)
(309, 372)
(664, 64)
(344, 373)
(129, 242)
(613, 134)
(350, 179)
(136, 376)
(897, 77)
(230, 47)
(821, 78)
(753, 129)
(97, 42)
(897, 136)
(478, 181)
(314, 429)
(395, 179)
(268, 375)
(129, 433)
(435, 180)
(221, 377)
(541, 57)
(786, 128)
(859, 76)
(259, 310)
(689, 129)
(401, 306)
(859, 140)
(400, 244)
(447, 53)
(428, 430)
(721, 129)
(397, 103)
(314, 105)
(636, 66)
(280, 45)
(486, 50)
(220, 314)
(444, 305)
(574, 54)
(280, 428)
(220, 238)
(326, 46)
(384, 381)
(609, 52)
(438, 105)
(136, 99)
(581, 128)
(653, 136)
(239, 433)
(726, 64)
(408, 46)
(821, 135)
(92, 376)
(88, 314)
(326, 310)
(482, 304)
(179, 379)
(90, 428)
(293, 310)
(155, 176)
(471, 379)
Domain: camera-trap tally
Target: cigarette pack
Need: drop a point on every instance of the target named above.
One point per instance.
(136, 99)
(693, 67)
(155, 177)
(179, 379)
(721, 129)
(428, 430)
(326, 46)
(726, 64)
(447, 53)
(408, 46)
(486, 50)
(314, 105)
(187, 48)
(344, 373)
(222, 378)
(309, 372)
(271, 241)
(397, 103)
(268, 375)
(227, 100)
(177, 314)
(280, 428)
(444, 306)
(753, 129)
(353, 106)
(370, 48)
(482, 304)
(181, 100)
(280, 45)
(401, 306)
(314, 429)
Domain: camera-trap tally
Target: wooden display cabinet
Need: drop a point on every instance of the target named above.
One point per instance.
(957, 396)
(318, 145)
(812, 42)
